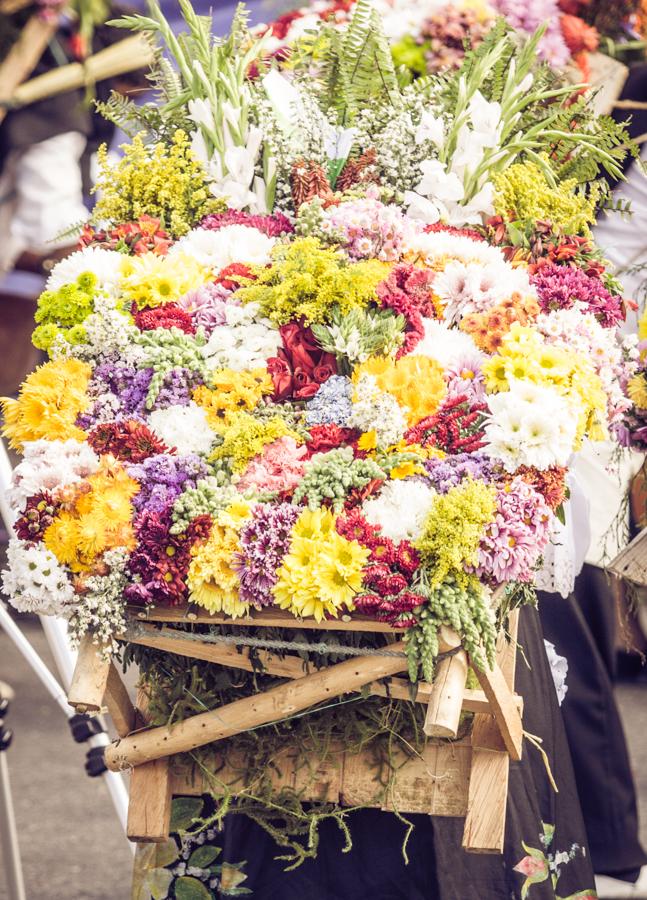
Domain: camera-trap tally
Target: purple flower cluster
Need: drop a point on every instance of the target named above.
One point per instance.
(121, 390)
(447, 473)
(332, 404)
(513, 543)
(524, 16)
(163, 478)
(560, 287)
(207, 305)
(264, 540)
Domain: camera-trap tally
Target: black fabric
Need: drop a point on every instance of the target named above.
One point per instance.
(439, 869)
(593, 726)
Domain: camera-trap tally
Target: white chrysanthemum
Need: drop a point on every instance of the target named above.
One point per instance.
(530, 425)
(400, 509)
(184, 427)
(231, 244)
(47, 465)
(242, 343)
(105, 264)
(35, 581)
(476, 287)
(448, 346)
(378, 411)
(437, 245)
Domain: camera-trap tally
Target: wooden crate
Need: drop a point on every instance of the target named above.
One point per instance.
(462, 778)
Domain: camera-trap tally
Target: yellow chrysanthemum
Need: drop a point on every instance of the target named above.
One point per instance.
(150, 280)
(416, 382)
(212, 580)
(97, 517)
(637, 390)
(232, 392)
(322, 571)
(49, 402)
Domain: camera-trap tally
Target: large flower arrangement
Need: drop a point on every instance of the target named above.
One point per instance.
(430, 36)
(293, 367)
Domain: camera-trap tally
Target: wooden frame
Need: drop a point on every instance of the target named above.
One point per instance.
(466, 777)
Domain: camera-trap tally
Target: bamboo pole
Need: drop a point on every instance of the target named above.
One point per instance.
(23, 57)
(251, 712)
(132, 53)
(90, 677)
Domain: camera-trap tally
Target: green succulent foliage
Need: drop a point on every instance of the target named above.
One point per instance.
(360, 333)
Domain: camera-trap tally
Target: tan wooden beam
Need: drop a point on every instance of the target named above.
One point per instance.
(266, 618)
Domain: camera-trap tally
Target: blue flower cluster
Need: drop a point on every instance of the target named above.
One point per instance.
(332, 404)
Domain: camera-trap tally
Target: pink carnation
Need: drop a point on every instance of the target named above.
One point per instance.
(278, 468)
(515, 540)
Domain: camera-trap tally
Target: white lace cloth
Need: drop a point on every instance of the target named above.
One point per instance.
(565, 553)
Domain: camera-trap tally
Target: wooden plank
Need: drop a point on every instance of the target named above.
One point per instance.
(89, 678)
(484, 830)
(120, 706)
(266, 618)
(149, 807)
(436, 784)
(251, 712)
(24, 55)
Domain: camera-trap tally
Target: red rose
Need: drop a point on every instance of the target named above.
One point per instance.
(281, 376)
(301, 365)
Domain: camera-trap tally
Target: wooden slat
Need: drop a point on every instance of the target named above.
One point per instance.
(434, 783)
(120, 707)
(484, 830)
(267, 618)
(166, 640)
(149, 807)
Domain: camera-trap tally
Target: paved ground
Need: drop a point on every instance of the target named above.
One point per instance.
(71, 843)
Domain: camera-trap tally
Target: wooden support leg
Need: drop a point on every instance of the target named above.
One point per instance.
(149, 809)
(447, 690)
(488, 791)
(122, 712)
(90, 678)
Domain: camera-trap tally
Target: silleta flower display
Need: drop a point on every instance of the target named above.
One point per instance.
(310, 357)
